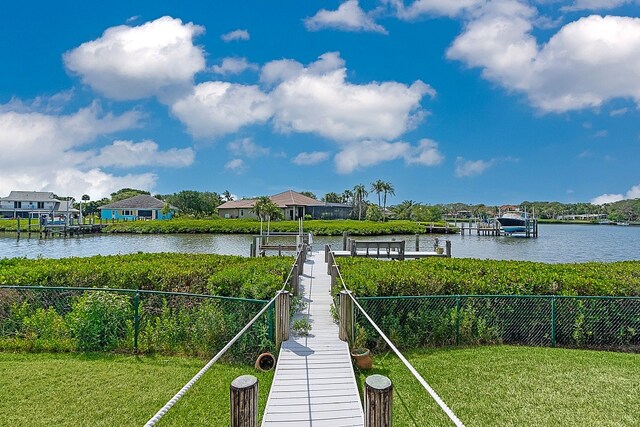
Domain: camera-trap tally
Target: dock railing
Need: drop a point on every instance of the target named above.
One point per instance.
(347, 305)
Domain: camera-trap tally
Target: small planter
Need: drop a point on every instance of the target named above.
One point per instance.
(362, 358)
(439, 251)
(265, 362)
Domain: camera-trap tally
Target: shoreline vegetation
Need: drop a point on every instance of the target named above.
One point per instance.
(260, 278)
(252, 226)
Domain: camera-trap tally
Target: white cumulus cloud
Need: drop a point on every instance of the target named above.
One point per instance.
(596, 4)
(217, 108)
(572, 71)
(155, 58)
(426, 153)
(312, 158)
(369, 153)
(44, 152)
(632, 193)
(235, 165)
(466, 168)
(247, 148)
(129, 154)
(232, 66)
(236, 35)
(420, 8)
(318, 99)
(348, 17)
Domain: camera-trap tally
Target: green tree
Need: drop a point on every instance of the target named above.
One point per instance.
(378, 188)
(125, 193)
(309, 194)
(332, 198)
(265, 208)
(374, 213)
(387, 188)
(359, 195)
(227, 196)
(404, 210)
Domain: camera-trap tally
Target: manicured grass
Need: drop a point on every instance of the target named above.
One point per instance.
(113, 390)
(515, 386)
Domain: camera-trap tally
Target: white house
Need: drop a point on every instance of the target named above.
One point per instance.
(23, 204)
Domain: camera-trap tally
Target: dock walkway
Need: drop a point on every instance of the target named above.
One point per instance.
(314, 384)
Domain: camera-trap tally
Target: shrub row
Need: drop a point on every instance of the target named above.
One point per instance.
(250, 226)
(56, 320)
(222, 275)
(438, 276)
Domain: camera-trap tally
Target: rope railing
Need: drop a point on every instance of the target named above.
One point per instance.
(452, 416)
(154, 420)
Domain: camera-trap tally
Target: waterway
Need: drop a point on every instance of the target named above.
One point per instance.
(556, 243)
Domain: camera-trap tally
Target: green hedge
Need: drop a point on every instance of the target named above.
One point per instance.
(223, 275)
(250, 226)
(438, 276)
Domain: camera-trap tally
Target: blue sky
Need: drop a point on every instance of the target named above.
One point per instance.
(478, 101)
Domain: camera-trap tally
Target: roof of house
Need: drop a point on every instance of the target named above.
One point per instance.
(287, 198)
(142, 201)
(30, 196)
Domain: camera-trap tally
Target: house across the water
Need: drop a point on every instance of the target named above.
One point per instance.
(294, 205)
(138, 207)
(34, 204)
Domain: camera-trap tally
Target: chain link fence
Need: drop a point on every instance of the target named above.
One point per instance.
(91, 319)
(611, 323)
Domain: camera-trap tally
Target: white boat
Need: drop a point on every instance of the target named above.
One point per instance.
(622, 223)
(513, 221)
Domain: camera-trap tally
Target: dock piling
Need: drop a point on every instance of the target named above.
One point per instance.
(244, 401)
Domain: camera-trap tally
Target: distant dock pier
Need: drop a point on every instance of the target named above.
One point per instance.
(49, 229)
(492, 228)
(389, 249)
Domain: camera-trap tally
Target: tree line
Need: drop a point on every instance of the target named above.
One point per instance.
(200, 204)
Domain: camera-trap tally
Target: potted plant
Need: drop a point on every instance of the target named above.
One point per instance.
(360, 353)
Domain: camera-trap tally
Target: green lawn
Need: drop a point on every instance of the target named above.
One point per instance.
(111, 390)
(516, 386)
(485, 386)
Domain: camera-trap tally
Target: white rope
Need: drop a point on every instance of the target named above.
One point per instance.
(152, 422)
(415, 373)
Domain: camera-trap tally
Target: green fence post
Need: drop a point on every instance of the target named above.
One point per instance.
(136, 320)
(553, 321)
(458, 320)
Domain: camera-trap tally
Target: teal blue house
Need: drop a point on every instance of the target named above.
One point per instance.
(137, 208)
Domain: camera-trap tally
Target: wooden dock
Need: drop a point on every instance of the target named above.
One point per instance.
(388, 249)
(314, 384)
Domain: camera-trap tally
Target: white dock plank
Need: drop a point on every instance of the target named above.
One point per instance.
(314, 384)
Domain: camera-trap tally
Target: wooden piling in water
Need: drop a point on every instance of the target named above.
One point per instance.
(243, 398)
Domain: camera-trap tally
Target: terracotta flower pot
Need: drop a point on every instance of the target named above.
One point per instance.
(362, 358)
(265, 362)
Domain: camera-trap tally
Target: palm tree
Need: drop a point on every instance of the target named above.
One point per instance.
(378, 187)
(266, 208)
(404, 209)
(347, 196)
(359, 194)
(387, 188)
(227, 196)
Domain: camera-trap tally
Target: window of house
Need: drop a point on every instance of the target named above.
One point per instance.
(17, 205)
(241, 212)
(40, 205)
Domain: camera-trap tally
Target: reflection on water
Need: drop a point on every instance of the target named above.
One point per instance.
(557, 243)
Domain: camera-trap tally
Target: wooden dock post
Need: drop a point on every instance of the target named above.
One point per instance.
(282, 317)
(244, 401)
(334, 275)
(345, 236)
(447, 249)
(346, 315)
(327, 249)
(378, 400)
(417, 243)
(295, 280)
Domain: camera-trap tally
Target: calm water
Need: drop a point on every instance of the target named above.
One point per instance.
(557, 243)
